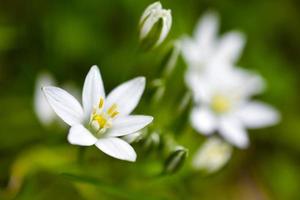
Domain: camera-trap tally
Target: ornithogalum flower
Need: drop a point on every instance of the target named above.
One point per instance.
(155, 24)
(212, 155)
(223, 104)
(206, 50)
(43, 111)
(102, 120)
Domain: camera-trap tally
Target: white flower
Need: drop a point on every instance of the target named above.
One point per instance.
(212, 155)
(101, 120)
(223, 104)
(206, 49)
(151, 16)
(42, 109)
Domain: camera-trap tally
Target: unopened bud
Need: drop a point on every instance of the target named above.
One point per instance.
(175, 160)
(212, 155)
(155, 25)
(152, 141)
(133, 137)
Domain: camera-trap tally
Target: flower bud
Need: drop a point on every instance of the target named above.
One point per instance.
(155, 25)
(175, 160)
(152, 141)
(212, 155)
(133, 137)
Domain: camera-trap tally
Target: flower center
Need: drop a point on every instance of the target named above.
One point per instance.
(220, 104)
(102, 119)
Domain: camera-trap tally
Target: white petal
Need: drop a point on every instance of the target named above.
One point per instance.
(92, 90)
(127, 95)
(44, 112)
(152, 7)
(129, 124)
(78, 135)
(200, 86)
(64, 104)
(257, 115)
(233, 131)
(117, 148)
(206, 30)
(167, 23)
(190, 52)
(230, 47)
(250, 83)
(203, 120)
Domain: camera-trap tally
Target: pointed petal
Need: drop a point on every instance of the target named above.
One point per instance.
(233, 131)
(203, 120)
(92, 90)
(190, 52)
(64, 105)
(152, 7)
(129, 124)
(127, 95)
(230, 47)
(41, 107)
(78, 135)
(117, 148)
(200, 87)
(206, 30)
(257, 115)
(167, 23)
(251, 83)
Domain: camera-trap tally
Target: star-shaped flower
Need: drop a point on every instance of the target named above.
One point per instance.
(101, 120)
(223, 104)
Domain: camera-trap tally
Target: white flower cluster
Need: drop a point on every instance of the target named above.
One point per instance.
(221, 97)
(222, 91)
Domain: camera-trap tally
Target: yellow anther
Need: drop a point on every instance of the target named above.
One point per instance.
(102, 121)
(101, 103)
(115, 113)
(220, 104)
(103, 118)
(112, 109)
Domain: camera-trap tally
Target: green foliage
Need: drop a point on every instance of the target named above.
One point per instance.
(68, 37)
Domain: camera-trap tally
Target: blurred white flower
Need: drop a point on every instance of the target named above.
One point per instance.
(223, 104)
(101, 120)
(152, 16)
(212, 155)
(205, 49)
(42, 109)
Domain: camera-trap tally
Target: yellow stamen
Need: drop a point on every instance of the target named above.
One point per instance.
(102, 121)
(101, 103)
(115, 113)
(103, 118)
(220, 104)
(112, 109)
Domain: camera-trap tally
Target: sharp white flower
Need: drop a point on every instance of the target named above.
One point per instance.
(151, 18)
(43, 111)
(101, 120)
(205, 49)
(223, 104)
(212, 155)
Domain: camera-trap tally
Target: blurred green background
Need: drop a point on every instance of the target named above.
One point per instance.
(67, 37)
